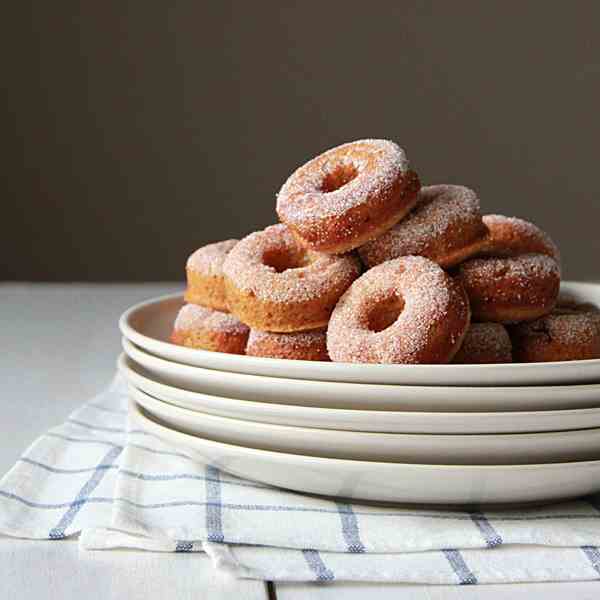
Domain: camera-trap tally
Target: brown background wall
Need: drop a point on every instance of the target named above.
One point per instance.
(139, 130)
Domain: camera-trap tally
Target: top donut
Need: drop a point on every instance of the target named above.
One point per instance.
(348, 195)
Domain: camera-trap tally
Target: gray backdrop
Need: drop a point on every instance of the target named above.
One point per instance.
(137, 131)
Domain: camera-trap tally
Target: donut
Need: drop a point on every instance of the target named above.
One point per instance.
(199, 327)
(348, 195)
(204, 271)
(274, 284)
(485, 343)
(406, 310)
(511, 289)
(510, 236)
(569, 332)
(445, 226)
(301, 345)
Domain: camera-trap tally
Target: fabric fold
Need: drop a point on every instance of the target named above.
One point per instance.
(119, 487)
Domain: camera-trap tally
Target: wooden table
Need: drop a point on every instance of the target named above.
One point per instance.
(59, 347)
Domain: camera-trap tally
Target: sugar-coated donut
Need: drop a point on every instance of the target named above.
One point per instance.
(274, 284)
(511, 289)
(204, 271)
(299, 345)
(348, 195)
(200, 327)
(569, 332)
(485, 343)
(510, 236)
(406, 310)
(445, 226)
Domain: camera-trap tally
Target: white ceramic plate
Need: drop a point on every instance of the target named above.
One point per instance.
(362, 396)
(149, 325)
(490, 449)
(387, 482)
(363, 420)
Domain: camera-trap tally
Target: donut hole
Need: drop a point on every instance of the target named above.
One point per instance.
(281, 259)
(339, 177)
(385, 313)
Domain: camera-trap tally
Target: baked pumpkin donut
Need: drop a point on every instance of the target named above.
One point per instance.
(300, 345)
(569, 332)
(348, 195)
(274, 284)
(204, 271)
(485, 343)
(406, 310)
(510, 236)
(511, 289)
(200, 327)
(445, 226)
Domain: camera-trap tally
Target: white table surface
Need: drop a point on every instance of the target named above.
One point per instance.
(59, 347)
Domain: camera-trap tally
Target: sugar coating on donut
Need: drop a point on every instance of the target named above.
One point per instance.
(295, 339)
(193, 317)
(366, 176)
(485, 343)
(432, 306)
(520, 270)
(571, 327)
(568, 333)
(568, 325)
(209, 259)
(509, 236)
(314, 275)
(442, 211)
(300, 345)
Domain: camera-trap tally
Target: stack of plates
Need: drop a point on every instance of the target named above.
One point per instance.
(441, 434)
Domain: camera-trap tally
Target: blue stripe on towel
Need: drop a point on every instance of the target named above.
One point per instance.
(46, 506)
(116, 411)
(214, 517)
(52, 469)
(459, 566)
(91, 484)
(276, 508)
(191, 476)
(184, 546)
(73, 440)
(318, 567)
(350, 528)
(593, 555)
(161, 452)
(96, 427)
(490, 535)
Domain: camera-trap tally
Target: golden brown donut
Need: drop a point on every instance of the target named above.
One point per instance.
(200, 327)
(485, 343)
(204, 271)
(274, 284)
(300, 345)
(445, 226)
(569, 332)
(510, 236)
(406, 310)
(348, 195)
(513, 289)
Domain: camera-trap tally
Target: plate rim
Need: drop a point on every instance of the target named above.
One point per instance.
(303, 458)
(369, 434)
(142, 339)
(123, 358)
(450, 388)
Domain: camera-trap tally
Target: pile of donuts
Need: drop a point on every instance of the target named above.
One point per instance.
(367, 266)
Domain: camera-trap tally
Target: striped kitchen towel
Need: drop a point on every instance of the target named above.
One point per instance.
(117, 487)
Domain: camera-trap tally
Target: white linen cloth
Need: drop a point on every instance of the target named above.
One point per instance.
(120, 488)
